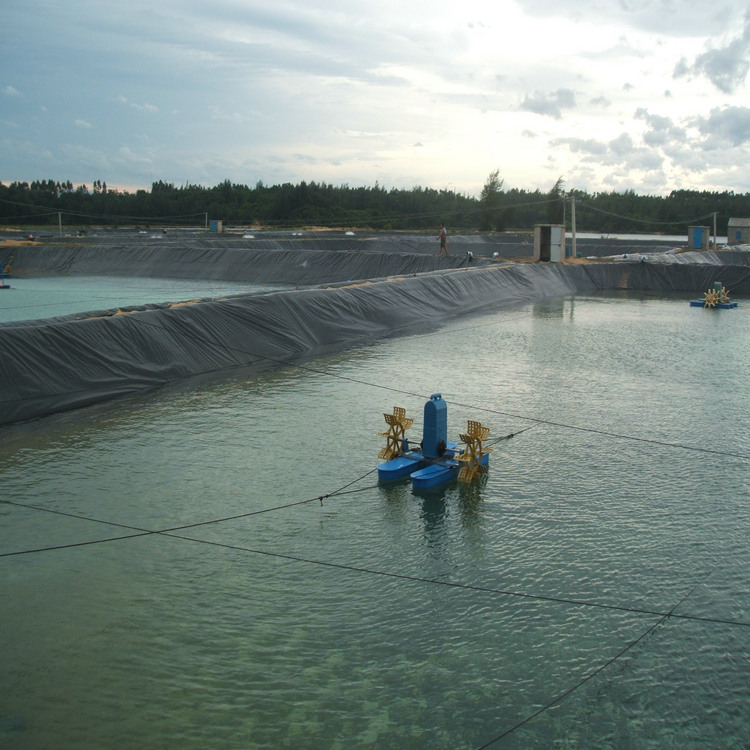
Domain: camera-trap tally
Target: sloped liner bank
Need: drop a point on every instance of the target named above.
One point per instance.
(59, 364)
(303, 262)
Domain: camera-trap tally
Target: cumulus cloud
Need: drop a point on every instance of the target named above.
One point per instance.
(726, 67)
(284, 91)
(621, 151)
(588, 146)
(711, 145)
(622, 145)
(726, 127)
(661, 130)
(551, 104)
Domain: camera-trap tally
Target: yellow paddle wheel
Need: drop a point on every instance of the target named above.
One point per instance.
(715, 296)
(398, 424)
(475, 434)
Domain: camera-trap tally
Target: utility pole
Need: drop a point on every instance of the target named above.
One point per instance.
(573, 226)
(59, 222)
(714, 230)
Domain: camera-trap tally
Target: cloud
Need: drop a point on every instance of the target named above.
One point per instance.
(218, 113)
(90, 159)
(621, 151)
(127, 156)
(726, 127)
(621, 146)
(697, 149)
(139, 107)
(661, 130)
(661, 17)
(550, 104)
(25, 150)
(588, 146)
(726, 67)
(349, 91)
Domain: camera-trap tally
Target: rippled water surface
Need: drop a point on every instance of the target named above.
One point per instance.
(30, 298)
(591, 591)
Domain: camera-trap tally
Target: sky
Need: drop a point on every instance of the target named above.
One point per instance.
(610, 95)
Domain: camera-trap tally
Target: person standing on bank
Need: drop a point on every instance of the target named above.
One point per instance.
(443, 241)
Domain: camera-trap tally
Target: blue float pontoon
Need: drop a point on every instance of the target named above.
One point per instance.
(717, 306)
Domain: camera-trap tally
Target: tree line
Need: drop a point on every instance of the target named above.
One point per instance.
(306, 204)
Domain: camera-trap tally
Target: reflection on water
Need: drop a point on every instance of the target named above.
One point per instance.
(559, 307)
(433, 517)
(381, 616)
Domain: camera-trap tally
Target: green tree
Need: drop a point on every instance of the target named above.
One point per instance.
(490, 199)
(556, 206)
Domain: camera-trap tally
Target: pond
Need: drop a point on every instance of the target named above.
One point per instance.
(589, 591)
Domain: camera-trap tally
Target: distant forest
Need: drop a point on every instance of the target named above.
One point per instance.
(311, 204)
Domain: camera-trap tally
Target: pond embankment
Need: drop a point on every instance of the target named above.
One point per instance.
(350, 292)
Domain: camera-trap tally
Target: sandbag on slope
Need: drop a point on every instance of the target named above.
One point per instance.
(62, 364)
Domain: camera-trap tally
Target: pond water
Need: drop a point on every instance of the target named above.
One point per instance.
(30, 298)
(590, 591)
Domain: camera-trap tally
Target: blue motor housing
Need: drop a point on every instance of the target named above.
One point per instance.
(435, 431)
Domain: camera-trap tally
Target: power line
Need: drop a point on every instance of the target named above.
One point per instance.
(288, 223)
(642, 221)
(559, 698)
(589, 676)
(663, 616)
(172, 533)
(102, 217)
(489, 410)
(166, 531)
(537, 420)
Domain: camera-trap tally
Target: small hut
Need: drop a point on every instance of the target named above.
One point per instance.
(738, 232)
(549, 243)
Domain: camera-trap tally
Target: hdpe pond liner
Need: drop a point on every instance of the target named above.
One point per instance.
(57, 364)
